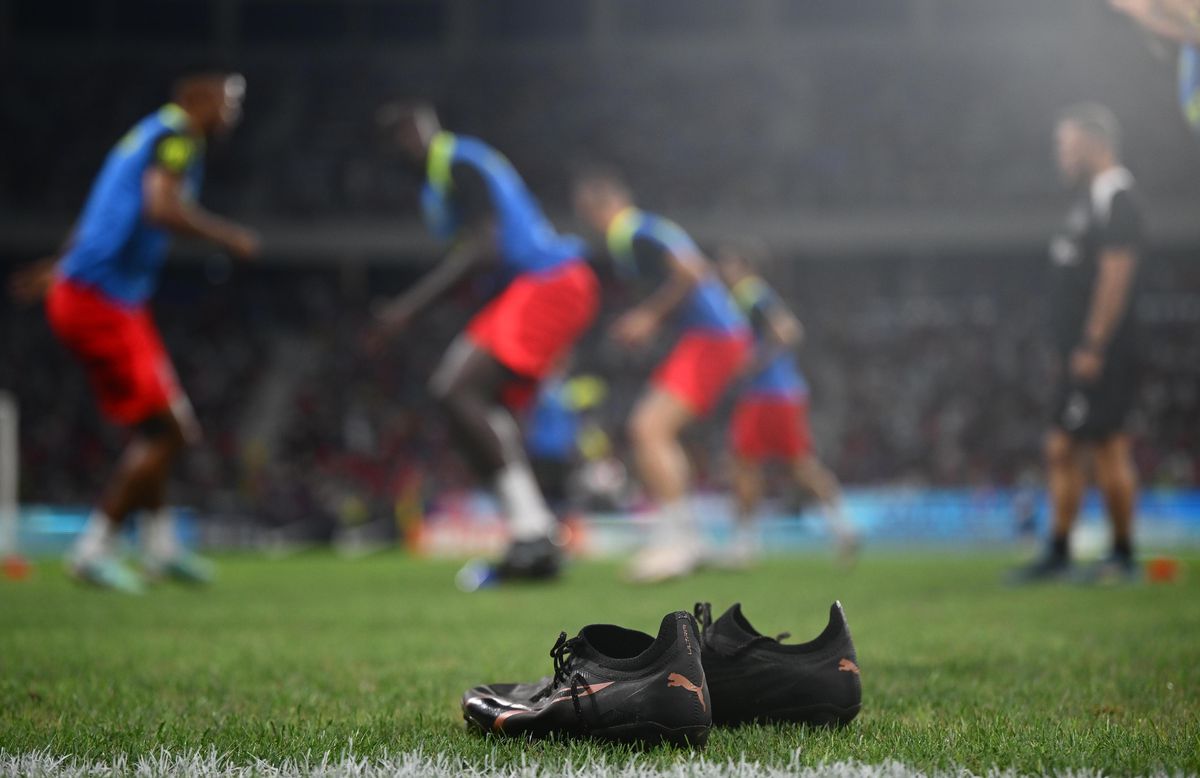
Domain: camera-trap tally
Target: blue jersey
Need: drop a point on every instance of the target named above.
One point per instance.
(528, 242)
(553, 427)
(115, 249)
(709, 307)
(780, 377)
(1189, 84)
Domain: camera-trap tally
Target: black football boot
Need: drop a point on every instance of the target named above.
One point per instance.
(531, 560)
(609, 683)
(537, 560)
(753, 677)
(1048, 568)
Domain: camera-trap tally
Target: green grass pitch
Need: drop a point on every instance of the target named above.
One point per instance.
(293, 658)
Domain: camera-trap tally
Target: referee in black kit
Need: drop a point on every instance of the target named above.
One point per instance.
(1094, 264)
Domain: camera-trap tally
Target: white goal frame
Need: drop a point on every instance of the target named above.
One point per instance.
(10, 459)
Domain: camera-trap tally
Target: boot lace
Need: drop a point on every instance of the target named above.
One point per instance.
(562, 654)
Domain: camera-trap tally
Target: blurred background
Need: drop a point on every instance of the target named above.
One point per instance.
(896, 156)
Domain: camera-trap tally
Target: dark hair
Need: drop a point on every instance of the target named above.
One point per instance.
(394, 113)
(595, 173)
(203, 66)
(197, 69)
(752, 252)
(1096, 120)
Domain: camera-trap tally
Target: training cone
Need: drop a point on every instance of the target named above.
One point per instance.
(16, 568)
(1162, 569)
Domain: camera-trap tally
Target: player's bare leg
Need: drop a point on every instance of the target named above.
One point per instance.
(139, 483)
(1117, 478)
(813, 475)
(747, 494)
(1065, 481)
(163, 556)
(467, 386)
(140, 480)
(661, 461)
(654, 428)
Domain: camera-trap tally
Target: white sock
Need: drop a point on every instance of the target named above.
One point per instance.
(528, 516)
(97, 538)
(746, 536)
(157, 531)
(839, 525)
(675, 520)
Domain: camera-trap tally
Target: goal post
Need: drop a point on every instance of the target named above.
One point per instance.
(9, 471)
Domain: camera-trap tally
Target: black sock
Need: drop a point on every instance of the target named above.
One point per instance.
(1123, 549)
(1058, 548)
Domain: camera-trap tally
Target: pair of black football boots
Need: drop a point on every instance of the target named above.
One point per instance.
(613, 683)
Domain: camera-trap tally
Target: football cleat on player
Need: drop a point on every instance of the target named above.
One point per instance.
(539, 559)
(107, 572)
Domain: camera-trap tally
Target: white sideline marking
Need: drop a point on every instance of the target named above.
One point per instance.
(40, 764)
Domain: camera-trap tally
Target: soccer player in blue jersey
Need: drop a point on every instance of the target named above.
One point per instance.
(555, 429)
(552, 440)
(97, 303)
(712, 350)
(473, 198)
(1178, 22)
(770, 420)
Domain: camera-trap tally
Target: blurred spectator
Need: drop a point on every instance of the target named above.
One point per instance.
(920, 376)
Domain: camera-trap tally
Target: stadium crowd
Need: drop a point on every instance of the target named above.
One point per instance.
(939, 378)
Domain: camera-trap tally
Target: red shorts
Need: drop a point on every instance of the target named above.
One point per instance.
(120, 349)
(536, 320)
(701, 366)
(766, 427)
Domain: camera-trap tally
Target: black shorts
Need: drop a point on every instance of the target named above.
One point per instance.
(1098, 410)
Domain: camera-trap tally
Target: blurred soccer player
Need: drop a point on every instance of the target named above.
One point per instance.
(473, 196)
(552, 433)
(98, 287)
(712, 350)
(770, 420)
(552, 441)
(1094, 265)
(1177, 21)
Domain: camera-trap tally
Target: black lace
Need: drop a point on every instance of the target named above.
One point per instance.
(562, 653)
(703, 614)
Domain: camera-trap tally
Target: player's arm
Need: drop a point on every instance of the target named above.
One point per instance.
(474, 248)
(1110, 296)
(31, 283)
(785, 328)
(1115, 272)
(468, 254)
(167, 205)
(782, 329)
(682, 273)
(1178, 21)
